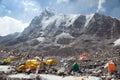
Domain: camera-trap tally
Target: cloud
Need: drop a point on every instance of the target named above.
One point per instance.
(10, 25)
(100, 6)
(31, 9)
(74, 6)
(109, 7)
(24, 10)
(62, 1)
(20, 13)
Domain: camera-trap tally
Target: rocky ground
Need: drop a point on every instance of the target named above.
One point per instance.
(93, 66)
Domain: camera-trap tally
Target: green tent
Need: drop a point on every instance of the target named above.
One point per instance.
(75, 67)
(4, 63)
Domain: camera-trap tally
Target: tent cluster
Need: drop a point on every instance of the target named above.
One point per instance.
(7, 60)
(35, 63)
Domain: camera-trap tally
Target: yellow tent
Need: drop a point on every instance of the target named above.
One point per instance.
(30, 64)
(51, 61)
(8, 60)
(22, 68)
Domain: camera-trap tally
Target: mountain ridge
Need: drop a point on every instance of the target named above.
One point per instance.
(50, 31)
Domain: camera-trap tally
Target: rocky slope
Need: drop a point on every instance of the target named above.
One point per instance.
(52, 32)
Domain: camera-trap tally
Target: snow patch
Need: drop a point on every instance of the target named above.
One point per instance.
(5, 69)
(64, 35)
(71, 19)
(21, 76)
(88, 18)
(117, 42)
(40, 39)
(46, 22)
(65, 20)
(59, 20)
(52, 77)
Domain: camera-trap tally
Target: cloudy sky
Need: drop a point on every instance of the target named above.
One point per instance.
(15, 15)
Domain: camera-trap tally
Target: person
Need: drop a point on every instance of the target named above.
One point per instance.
(28, 56)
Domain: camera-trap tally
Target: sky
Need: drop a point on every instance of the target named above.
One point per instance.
(15, 15)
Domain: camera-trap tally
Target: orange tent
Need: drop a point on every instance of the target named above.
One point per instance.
(111, 66)
(83, 57)
(84, 54)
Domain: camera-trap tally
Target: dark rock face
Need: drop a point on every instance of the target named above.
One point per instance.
(64, 41)
(4, 39)
(80, 32)
(105, 27)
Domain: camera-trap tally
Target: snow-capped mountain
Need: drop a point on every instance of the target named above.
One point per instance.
(52, 31)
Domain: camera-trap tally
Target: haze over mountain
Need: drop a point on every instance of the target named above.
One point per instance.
(57, 33)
